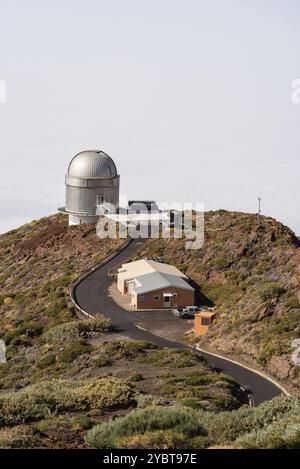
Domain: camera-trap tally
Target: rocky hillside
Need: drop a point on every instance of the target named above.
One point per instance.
(249, 267)
(63, 375)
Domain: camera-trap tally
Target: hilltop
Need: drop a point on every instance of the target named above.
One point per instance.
(64, 375)
(74, 383)
(249, 268)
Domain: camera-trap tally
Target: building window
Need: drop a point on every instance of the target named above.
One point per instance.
(175, 295)
(205, 321)
(141, 298)
(156, 297)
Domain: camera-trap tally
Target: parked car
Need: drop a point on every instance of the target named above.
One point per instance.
(186, 313)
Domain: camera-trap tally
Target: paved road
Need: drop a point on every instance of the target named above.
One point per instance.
(91, 294)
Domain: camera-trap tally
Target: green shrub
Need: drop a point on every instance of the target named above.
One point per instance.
(39, 400)
(99, 324)
(82, 423)
(226, 295)
(270, 348)
(46, 361)
(146, 400)
(140, 345)
(199, 442)
(173, 358)
(73, 350)
(195, 378)
(227, 427)
(70, 330)
(122, 350)
(136, 377)
(279, 435)
(24, 329)
(21, 340)
(103, 393)
(222, 263)
(160, 439)
(179, 420)
(19, 437)
(270, 290)
(281, 241)
(292, 302)
(102, 361)
(52, 423)
(61, 333)
(55, 307)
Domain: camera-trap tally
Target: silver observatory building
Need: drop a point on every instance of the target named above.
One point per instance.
(91, 179)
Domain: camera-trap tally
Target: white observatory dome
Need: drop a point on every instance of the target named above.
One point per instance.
(91, 180)
(92, 164)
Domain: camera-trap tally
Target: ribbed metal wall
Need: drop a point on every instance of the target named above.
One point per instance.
(92, 176)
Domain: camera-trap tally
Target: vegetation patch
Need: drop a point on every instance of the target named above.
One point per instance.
(182, 421)
(71, 330)
(37, 401)
(73, 350)
(21, 436)
(172, 358)
(270, 291)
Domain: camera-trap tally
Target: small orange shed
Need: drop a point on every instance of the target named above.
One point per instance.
(203, 320)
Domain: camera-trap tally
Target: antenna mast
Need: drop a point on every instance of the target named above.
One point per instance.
(259, 206)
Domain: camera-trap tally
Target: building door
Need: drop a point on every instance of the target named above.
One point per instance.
(167, 301)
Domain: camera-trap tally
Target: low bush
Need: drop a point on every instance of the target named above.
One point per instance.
(147, 400)
(173, 358)
(70, 330)
(82, 423)
(136, 377)
(73, 350)
(282, 434)
(123, 349)
(270, 290)
(99, 324)
(22, 330)
(140, 345)
(225, 295)
(180, 420)
(272, 347)
(46, 361)
(19, 437)
(229, 426)
(160, 439)
(292, 302)
(38, 400)
(102, 361)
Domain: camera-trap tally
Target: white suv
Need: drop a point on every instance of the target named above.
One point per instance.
(186, 313)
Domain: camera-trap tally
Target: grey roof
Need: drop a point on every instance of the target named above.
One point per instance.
(93, 164)
(157, 280)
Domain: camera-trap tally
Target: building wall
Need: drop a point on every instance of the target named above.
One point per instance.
(121, 285)
(184, 298)
(81, 194)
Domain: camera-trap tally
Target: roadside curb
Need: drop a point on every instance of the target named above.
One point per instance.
(258, 372)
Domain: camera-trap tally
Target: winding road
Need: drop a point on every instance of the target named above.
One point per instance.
(90, 294)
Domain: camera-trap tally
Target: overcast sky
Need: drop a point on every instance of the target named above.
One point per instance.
(192, 99)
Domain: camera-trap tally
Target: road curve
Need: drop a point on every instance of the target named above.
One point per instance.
(90, 294)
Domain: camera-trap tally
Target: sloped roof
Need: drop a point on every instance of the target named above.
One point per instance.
(136, 269)
(157, 280)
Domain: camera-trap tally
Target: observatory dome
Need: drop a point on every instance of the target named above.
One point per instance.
(91, 180)
(92, 164)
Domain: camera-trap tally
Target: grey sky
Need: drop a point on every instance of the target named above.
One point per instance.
(191, 98)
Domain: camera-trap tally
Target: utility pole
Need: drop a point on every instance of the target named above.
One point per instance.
(259, 206)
